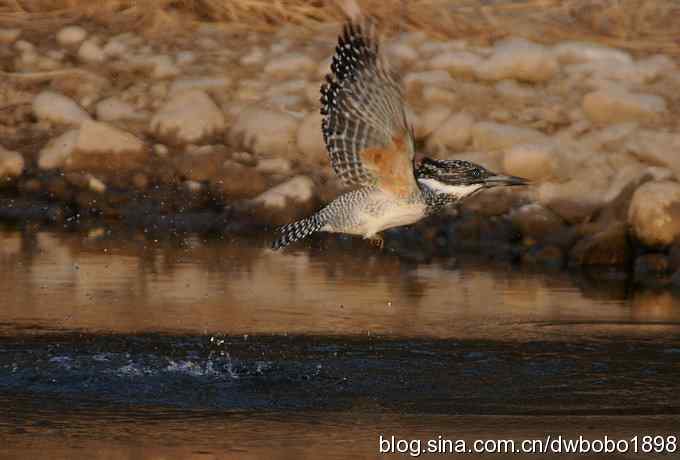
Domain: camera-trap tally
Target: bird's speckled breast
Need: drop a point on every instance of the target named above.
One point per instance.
(366, 212)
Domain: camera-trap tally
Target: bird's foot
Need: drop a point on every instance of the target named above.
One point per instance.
(377, 241)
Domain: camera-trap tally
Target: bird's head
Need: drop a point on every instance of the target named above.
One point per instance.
(458, 179)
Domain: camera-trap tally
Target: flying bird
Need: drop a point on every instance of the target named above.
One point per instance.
(372, 150)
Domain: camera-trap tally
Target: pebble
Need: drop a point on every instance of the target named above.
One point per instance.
(274, 166)
(102, 147)
(462, 63)
(90, 52)
(11, 163)
(654, 213)
(431, 119)
(453, 134)
(415, 80)
(265, 132)
(57, 108)
(490, 135)
(572, 51)
(112, 109)
(299, 189)
(71, 35)
(617, 105)
(519, 59)
(656, 148)
(291, 64)
(533, 161)
(188, 117)
(202, 83)
(9, 36)
(58, 150)
(310, 140)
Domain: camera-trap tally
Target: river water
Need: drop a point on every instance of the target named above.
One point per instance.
(116, 344)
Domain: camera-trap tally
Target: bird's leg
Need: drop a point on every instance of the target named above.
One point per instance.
(378, 241)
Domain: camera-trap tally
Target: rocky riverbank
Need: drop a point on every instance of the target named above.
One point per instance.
(217, 130)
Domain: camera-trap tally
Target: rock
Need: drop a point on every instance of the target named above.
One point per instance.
(202, 163)
(607, 247)
(512, 90)
(71, 35)
(102, 147)
(416, 80)
(571, 51)
(434, 95)
(536, 162)
(91, 53)
(11, 163)
(112, 109)
(254, 57)
(310, 139)
(284, 198)
(519, 59)
(265, 132)
(163, 67)
(656, 148)
(9, 36)
(602, 73)
(188, 117)
(115, 48)
(453, 134)
(204, 84)
(574, 200)
(462, 63)
(618, 105)
(292, 64)
(654, 213)
(651, 264)
(57, 108)
(402, 52)
(549, 256)
(55, 153)
(536, 222)
(274, 166)
(491, 135)
(239, 181)
(430, 120)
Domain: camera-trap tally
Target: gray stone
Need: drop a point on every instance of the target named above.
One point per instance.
(519, 59)
(489, 135)
(265, 132)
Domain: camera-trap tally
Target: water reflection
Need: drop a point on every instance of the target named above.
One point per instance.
(126, 282)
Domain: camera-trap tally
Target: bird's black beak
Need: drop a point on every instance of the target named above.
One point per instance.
(502, 180)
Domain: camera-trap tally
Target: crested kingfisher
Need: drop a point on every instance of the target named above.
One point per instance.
(372, 150)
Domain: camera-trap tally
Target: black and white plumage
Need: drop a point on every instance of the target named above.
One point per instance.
(361, 104)
(371, 148)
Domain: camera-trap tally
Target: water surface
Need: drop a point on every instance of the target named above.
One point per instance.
(119, 345)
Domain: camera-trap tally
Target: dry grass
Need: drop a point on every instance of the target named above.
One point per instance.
(642, 25)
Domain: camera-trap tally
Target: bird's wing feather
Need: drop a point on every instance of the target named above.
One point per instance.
(364, 124)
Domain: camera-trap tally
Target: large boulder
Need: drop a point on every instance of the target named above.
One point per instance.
(654, 213)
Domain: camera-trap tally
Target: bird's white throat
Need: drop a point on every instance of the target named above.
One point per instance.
(458, 191)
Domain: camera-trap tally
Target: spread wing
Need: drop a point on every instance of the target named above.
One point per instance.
(364, 123)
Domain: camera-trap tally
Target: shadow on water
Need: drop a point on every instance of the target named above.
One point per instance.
(115, 340)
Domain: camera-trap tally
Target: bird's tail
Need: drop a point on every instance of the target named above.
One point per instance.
(296, 231)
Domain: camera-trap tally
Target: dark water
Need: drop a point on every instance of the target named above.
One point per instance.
(117, 345)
